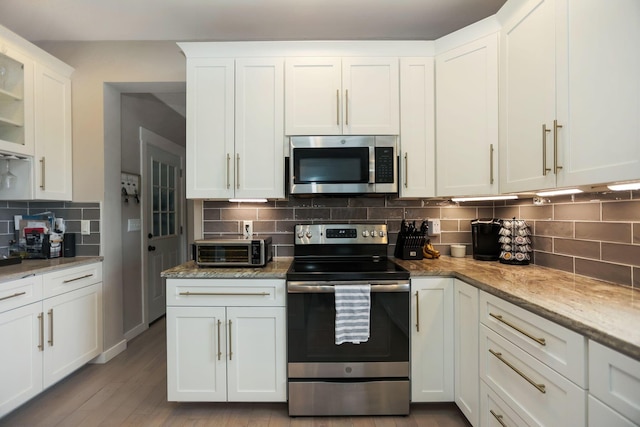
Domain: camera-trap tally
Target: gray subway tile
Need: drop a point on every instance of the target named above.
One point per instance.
(577, 212)
(623, 254)
(615, 273)
(605, 231)
(558, 262)
(580, 248)
(621, 211)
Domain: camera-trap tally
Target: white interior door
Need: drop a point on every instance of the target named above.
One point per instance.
(163, 222)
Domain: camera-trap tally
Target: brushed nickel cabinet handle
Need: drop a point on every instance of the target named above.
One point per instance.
(78, 278)
(17, 294)
(50, 340)
(540, 387)
(219, 348)
(338, 107)
(238, 170)
(230, 346)
(498, 418)
(235, 294)
(228, 171)
(42, 170)
(417, 312)
(41, 330)
(406, 170)
(346, 107)
(556, 126)
(545, 169)
(491, 164)
(529, 335)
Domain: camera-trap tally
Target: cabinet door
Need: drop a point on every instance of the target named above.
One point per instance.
(598, 91)
(53, 166)
(417, 145)
(371, 90)
(602, 415)
(527, 92)
(16, 101)
(256, 353)
(73, 331)
(210, 128)
(20, 358)
(465, 307)
(196, 354)
(313, 96)
(259, 136)
(432, 340)
(467, 119)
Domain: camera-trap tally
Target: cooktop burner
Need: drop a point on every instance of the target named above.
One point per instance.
(347, 269)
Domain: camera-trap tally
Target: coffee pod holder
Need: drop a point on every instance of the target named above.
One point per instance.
(515, 241)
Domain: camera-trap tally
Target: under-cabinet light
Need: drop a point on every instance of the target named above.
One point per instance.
(559, 192)
(249, 200)
(482, 198)
(624, 187)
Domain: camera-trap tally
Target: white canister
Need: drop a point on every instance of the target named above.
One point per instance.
(458, 251)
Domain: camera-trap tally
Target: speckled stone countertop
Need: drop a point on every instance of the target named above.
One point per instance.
(604, 312)
(30, 267)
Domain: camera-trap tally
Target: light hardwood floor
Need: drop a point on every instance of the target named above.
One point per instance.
(130, 390)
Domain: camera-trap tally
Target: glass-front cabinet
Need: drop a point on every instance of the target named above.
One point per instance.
(16, 101)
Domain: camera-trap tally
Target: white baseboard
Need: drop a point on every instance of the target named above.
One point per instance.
(132, 333)
(110, 353)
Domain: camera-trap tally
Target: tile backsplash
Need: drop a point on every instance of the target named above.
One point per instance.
(591, 234)
(73, 213)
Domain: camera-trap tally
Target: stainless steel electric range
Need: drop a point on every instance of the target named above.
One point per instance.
(370, 377)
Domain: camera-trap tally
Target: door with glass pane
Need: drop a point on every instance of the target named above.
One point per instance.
(163, 245)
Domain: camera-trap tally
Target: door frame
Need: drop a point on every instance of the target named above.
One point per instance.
(145, 200)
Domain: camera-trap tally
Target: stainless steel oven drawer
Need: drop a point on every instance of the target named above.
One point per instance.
(314, 398)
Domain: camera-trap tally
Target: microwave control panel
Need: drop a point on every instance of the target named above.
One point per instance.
(385, 163)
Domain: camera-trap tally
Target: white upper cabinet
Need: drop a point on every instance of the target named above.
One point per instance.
(467, 119)
(570, 84)
(417, 146)
(342, 96)
(235, 132)
(16, 100)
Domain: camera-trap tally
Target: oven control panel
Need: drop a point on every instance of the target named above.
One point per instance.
(318, 234)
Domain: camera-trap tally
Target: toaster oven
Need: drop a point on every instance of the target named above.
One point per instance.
(232, 252)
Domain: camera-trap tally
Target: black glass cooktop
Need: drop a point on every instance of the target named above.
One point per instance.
(346, 269)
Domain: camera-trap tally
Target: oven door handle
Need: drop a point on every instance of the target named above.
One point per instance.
(306, 288)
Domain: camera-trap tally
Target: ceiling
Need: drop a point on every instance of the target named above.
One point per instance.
(239, 20)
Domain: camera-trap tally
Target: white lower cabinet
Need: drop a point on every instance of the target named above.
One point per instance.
(226, 343)
(46, 340)
(496, 413)
(432, 339)
(614, 379)
(466, 379)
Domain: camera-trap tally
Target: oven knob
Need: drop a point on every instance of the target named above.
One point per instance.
(381, 233)
(365, 233)
(308, 234)
(300, 234)
(373, 233)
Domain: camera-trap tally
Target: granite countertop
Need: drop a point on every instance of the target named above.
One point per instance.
(604, 312)
(29, 267)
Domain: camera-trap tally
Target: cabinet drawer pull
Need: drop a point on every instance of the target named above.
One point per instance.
(556, 126)
(338, 107)
(540, 387)
(230, 346)
(499, 318)
(545, 169)
(42, 169)
(406, 170)
(234, 294)
(50, 340)
(238, 170)
(17, 294)
(417, 312)
(219, 348)
(41, 330)
(228, 162)
(498, 418)
(346, 107)
(491, 164)
(78, 278)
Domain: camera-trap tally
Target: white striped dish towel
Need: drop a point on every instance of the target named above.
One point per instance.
(353, 307)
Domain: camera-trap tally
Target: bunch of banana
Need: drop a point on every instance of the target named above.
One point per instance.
(429, 252)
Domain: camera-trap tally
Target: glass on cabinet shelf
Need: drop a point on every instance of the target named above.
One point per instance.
(11, 100)
(16, 177)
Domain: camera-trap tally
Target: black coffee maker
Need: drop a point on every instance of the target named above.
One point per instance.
(485, 238)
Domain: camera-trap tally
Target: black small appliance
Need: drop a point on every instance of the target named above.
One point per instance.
(485, 238)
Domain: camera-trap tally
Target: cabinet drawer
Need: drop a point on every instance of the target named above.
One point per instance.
(17, 293)
(601, 415)
(615, 379)
(494, 412)
(536, 392)
(226, 292)
(550, 343)
(69, 279)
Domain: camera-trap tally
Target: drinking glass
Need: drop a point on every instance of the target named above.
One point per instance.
(8, 179)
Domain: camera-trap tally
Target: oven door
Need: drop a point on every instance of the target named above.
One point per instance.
(311, 332)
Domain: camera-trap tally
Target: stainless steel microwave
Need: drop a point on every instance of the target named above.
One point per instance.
(230, 252)
(343, 164)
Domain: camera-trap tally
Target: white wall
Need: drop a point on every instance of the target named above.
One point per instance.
(102, 71)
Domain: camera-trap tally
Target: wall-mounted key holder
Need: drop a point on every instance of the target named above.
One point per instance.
(130, 186)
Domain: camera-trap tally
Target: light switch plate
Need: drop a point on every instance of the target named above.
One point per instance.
(85, 227)
(134, 224)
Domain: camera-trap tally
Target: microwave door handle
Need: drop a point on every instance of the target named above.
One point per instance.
(372, 165)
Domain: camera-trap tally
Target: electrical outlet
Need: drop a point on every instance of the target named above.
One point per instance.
(247, 229)
(85, 227)
(434, 227)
